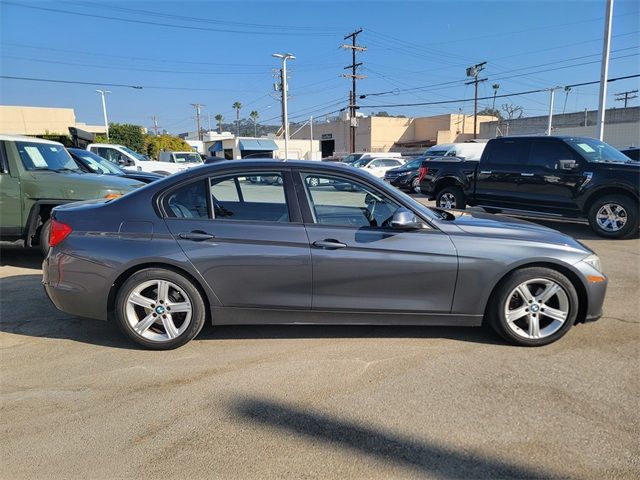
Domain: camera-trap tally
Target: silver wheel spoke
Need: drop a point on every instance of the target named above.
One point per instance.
(525, 293)
(555, 314)
(143, 325)
(141, 301)
(513, 315)
(163, 290)
(548, 292)
(169, 326)
(179, 307)
(534, 326)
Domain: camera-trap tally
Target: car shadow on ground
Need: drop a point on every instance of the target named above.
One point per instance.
(20, 257)
(430, 459)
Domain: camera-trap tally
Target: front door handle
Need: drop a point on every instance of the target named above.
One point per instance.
(329, 244)
(526, 174)
(196, 236)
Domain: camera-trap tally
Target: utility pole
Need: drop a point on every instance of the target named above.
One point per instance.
(197, 107)
(104, 110)
(311, 138)
(473, 72)
(284, 57)
(604, 70)
(353, 76)
(552, 92)
(155, 125)
(625, 96)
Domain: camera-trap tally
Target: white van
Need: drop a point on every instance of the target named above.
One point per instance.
(129, 160)
(190, 158)
(466, 151)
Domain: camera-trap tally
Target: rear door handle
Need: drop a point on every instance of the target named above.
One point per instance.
(196, 236)
(526, 174)
(329, 244)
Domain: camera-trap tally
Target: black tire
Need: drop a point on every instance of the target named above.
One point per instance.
(195, 298)
(415, 185)
(626, 205)
(44, 237)
(495, 312)
(453, 193)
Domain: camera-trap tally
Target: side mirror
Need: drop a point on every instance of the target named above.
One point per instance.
(404, 219)
(566, 165)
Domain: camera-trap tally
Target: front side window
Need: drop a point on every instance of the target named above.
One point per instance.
(346, 203)
(546, 154)
(250, 197)
(45, 156)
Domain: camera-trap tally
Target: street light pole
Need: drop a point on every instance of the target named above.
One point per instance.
(104, 110)
(285, 57)
(604, 70)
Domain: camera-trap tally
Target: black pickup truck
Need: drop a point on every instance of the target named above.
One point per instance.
(561, 177)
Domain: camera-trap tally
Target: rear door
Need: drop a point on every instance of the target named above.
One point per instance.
(360, 264)
(500, 176)
(246, 239)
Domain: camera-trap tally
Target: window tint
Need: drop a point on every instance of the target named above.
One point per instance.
(250, 198)
(188, 201)
(547, 154)
(336, 201)
(507, 152)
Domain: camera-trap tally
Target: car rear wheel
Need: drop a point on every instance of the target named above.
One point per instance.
(44, 237)
(533, 307)
(415, 185)
(159, 309)
(614, 216)
(451, 197)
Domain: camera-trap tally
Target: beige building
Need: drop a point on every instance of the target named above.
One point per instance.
(18, 120)
(384, 134)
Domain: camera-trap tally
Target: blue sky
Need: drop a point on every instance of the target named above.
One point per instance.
(218, 52)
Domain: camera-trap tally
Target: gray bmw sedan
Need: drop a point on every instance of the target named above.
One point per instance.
(318, 243)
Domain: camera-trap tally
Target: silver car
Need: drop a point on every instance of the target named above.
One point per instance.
(207, 245)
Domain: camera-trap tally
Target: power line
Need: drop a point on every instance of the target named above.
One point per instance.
(31, 79)
(625, 96)
(528, 92)
(354, 77)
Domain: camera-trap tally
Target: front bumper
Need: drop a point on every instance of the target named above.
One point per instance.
(596, 291)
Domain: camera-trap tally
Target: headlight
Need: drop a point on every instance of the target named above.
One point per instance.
(594, 261)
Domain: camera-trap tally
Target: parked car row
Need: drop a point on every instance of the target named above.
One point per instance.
(170, 162)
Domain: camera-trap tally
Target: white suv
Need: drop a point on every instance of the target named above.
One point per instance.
(129, 160)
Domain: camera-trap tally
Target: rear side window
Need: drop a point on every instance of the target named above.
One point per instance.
(547, 154)
(507, 152)
(244, 197)
(188, 201)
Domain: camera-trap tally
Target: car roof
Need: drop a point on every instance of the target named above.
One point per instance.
(24, 138)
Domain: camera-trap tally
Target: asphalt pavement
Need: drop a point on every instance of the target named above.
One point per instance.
(80, 401)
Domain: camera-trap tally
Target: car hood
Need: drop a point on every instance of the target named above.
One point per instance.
(498, 226)
(621, 167)
(402, 170)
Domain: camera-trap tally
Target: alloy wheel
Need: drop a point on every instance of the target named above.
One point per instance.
(536, 308)
(415, 185)
(158, 310)
(447, 200)
(611, 217)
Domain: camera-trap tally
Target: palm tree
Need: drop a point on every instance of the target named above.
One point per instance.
(219, 118)
(254, 116)
(495, 87)
(237, 106)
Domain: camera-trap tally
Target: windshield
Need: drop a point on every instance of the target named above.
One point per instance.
(45, 156)
(435, 153)
(352, 158)
(187, 158)
(596, 151)
(135, 155)
(413, 164)
(97, 164)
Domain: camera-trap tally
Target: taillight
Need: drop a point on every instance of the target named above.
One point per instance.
(422, 172)
(59, 231)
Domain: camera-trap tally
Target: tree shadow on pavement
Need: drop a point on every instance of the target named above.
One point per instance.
(433, 460)
(26, 310)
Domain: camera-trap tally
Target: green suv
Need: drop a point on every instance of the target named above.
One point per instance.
(37, 175)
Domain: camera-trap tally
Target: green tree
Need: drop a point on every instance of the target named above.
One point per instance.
(219, 118)
(237, 106)
(128, 135)
(153, 144)
(254, 117)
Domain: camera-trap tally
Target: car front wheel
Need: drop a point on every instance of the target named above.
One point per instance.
(159, 309)
(533, 306)
(614, 216)
(451, 197)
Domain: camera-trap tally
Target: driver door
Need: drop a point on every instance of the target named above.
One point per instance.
(361, 264)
